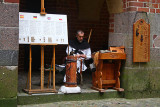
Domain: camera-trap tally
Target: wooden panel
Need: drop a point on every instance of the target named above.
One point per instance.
(112, 56)
(141, 41)
(108, 71)
(117, 49)
(109, 81)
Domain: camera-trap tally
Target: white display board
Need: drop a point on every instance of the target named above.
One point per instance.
(34, 28)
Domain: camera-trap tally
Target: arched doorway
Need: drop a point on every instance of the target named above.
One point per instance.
(97, 20)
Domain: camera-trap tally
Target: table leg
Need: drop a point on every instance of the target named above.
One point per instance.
(100, 74)
(117, 75)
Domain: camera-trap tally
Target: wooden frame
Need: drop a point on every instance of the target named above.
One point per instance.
(141, 41)
(42, 89)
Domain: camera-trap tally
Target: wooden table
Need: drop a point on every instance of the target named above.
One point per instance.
(108, 71)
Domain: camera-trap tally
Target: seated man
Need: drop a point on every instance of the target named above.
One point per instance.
(80, 48)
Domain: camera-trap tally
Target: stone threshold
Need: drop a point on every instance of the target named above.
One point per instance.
(86, 94)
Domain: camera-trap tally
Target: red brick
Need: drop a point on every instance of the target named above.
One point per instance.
(112, 25)
(111, 20)
(124, 10)
(124, 5)
(153, 1)
(152, 10)
(138, 4)
(132, 9)
(111, 30)
(127, 4)
(158, 1)
(132, 0)
(157, 10)
(143, 9)
(124, 1)
(143, 0)
(112, 15)
(12, 1)
(155, 5)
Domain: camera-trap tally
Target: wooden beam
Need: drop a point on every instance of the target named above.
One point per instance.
(42, 8)
(42, 67)
(54, 67)
(30, 65)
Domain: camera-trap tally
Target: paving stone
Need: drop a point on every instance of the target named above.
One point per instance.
(118, 102)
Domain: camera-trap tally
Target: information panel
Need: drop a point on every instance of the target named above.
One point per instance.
(141, 41)
(34, 28)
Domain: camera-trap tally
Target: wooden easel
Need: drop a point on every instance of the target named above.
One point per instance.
(42, 89)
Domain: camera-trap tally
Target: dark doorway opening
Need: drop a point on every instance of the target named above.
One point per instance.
(72, 8)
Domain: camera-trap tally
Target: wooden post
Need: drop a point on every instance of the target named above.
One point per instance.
(117, 75)
(53, 66)
(30, 65)
(81, 73)
(42, 67)
(89, 35)
(42, 8)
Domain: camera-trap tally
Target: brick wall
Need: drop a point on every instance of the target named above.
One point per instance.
(150, 6)
(99, 38)
(137, 78)
(111, 23)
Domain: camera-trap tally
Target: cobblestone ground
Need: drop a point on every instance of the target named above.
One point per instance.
(118, 102)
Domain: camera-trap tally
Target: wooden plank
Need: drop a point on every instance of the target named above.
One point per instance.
(35, 91)
(112, 56)
(141, 41)
(42, 8)
(100, 90)
(117, 73)
(108, 81)
(30, 65)
(43, 44)
(108, 71)
(54, 67)
(42, 67)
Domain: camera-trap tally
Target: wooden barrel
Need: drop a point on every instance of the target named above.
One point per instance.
(71, 69)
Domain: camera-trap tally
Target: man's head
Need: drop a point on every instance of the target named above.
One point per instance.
(80, 35)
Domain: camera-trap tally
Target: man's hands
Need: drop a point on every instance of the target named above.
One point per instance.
(81, 55)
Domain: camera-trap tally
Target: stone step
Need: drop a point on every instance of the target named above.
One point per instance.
(87, 94)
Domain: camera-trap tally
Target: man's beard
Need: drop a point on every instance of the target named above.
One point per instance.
(80, 41)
